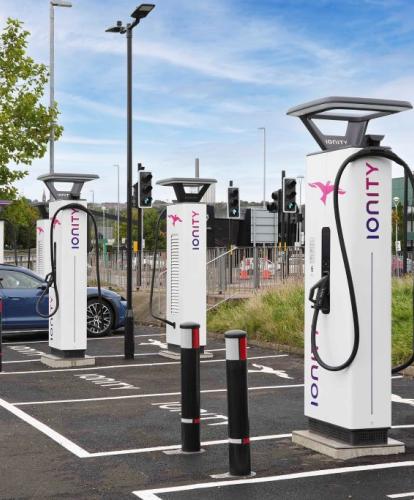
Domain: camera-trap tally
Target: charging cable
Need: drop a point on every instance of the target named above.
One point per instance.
(322, 286)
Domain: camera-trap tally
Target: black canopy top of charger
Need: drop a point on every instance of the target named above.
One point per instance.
(180, 183)
(43, 208)
(77, 181)
(357, 111)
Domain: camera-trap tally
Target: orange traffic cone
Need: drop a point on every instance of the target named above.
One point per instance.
(266, 274)
(244, 275)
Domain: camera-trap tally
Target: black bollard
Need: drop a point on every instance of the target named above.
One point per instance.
(237, 400)
(190, 387)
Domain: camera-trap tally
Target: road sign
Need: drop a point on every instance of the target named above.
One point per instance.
(263, 227)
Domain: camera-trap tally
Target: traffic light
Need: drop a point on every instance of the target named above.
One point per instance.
(135, 195)
(289, 195)
(274, 206)
(145, 189)
(233, 203)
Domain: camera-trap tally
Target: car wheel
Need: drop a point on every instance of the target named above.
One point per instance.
(99, 324)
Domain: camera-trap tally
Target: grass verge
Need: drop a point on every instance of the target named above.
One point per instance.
(277, 316)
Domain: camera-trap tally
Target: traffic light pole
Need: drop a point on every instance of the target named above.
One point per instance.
(139, 252)
(282, 215)
(140, 233)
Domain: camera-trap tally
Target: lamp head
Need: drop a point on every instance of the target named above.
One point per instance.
(60, 3)
(142, 11)
(115, 29)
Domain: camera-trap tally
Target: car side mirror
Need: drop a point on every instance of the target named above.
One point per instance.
(43, 286)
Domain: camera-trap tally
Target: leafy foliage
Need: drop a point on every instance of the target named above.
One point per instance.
(25, 123)
(150, 221)
(278, 316)
(21, 223)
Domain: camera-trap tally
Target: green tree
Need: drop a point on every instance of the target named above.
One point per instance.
(21, 223)
(25, 123)
(150, 221)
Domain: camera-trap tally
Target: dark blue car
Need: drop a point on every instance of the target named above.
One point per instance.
(20, 289)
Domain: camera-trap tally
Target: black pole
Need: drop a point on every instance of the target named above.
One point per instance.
(140, 236)
(129, 323)
(190, 387)
(1, 335)
(139, 252)
(282, 214)
(237, 400)
(405, 223)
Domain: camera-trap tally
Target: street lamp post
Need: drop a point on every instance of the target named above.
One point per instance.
(117, 221)
(396, 201)
(53, 4)
(264, 165)
(138, 14)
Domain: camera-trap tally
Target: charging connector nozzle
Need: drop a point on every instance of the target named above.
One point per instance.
(321, 288)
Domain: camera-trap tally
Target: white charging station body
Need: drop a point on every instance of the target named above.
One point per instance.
(359, 397)
(43, 266)
(67, 328)
(186, 269)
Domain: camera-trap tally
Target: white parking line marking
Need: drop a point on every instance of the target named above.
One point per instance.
(21, 361)
(156, 395)
(409, 426)
(98, 356)
(152, 494)
(58, 438)
(131, 365)
(113, 337)
(178, 446)
(402, 495)
(81, 453)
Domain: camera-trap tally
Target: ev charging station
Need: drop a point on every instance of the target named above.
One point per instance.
(67, 326)
(348, 281)
(186, 260)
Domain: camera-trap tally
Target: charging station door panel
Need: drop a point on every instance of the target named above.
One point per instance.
(67, 328)
(186, 268)
(358, 397)
(43, 247)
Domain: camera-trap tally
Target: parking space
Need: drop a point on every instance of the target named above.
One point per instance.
(101, 432)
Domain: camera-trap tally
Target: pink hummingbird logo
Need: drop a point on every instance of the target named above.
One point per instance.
(40, 229)
(326, 189)
(55, 222)
(174, 218)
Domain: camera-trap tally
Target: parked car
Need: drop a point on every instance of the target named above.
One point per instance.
(20, 289)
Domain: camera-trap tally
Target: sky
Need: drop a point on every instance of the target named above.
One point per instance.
(206, 75)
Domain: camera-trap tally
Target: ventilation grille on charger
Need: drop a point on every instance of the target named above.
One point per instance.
(353, 437)
(175, 274)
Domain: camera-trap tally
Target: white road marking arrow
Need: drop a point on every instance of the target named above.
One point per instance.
(153, 342)
(271, 371)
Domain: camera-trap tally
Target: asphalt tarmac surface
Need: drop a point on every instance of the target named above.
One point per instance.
(102, 432)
